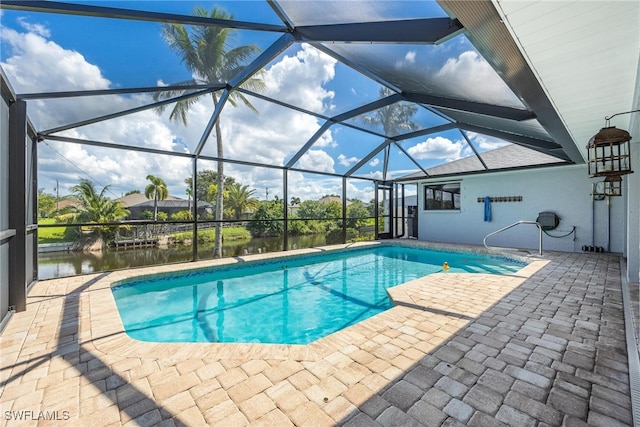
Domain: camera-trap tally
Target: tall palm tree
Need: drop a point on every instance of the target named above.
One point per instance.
(158, 191)
(189, 193)
(95, 207)
(393, 118)
(206, 52)
(240, 199)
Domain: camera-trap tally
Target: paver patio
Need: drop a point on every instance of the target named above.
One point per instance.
(542, 347)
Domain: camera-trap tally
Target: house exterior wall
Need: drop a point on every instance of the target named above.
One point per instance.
(633, 216)
(565, 191)
(4, 209)
(633, 191)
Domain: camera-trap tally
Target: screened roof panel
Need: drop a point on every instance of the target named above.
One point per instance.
(448, 84)
(307, 78)
(400, 164)
(350, 89)
(525, 127)
(269, 136)
(453, 69)
(341, 12)
(246, 10)
(436, 149)
(299, 77)
(372, 169)
(338, 150)
(106, 59)
(389, 120)
(50, 114)
(483, 143)
(144, 129)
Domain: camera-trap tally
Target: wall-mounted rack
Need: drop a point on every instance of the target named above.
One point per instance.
(501, 199)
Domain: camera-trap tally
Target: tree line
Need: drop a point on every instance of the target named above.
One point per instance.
(264, 218)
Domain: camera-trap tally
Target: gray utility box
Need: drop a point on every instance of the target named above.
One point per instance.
(548, 220)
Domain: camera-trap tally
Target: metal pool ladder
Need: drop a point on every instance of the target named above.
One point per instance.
(484, 242)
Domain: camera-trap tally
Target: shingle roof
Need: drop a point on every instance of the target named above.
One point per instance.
(138, 198)
(506, 157)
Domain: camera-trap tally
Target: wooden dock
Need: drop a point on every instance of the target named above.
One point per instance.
(118, 244)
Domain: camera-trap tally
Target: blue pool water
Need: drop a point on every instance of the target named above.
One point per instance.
(292, 301)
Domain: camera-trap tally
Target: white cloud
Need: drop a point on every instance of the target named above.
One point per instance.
(298, 79)
(276, 133)
(37, 64)
(317, 160)
(408, 60)
(410, 57)
(438, 148)
(469, 73)
(364, 192)
(373, 175)
(309, 187)
(347, 161)
(486, 143)
(375, 162)
(37, 29)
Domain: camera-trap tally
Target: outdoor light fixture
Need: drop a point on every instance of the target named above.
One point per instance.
(609, 155)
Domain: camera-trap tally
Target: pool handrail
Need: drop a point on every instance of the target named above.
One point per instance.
(484, 241)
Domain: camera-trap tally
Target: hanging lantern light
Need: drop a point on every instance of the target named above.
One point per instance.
(613, 185)
(609, 153)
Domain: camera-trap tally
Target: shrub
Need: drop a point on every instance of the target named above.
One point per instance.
(182, 216)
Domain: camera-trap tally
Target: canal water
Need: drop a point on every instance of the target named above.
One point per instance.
(62, 264)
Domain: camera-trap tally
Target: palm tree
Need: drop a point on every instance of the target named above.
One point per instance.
(206, 52)
(96, 207)
(393, 118)
(158, 190)
(240, 199)
(212, 194)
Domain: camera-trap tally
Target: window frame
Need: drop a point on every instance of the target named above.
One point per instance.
(440, 197)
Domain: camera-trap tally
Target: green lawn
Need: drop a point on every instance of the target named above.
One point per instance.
(51, 235)
(208, 236)
(57, 234)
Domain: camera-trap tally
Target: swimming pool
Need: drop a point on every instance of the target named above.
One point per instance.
(285, 301)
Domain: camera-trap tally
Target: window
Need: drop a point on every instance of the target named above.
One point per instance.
(442, 196)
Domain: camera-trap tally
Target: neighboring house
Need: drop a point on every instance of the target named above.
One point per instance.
(67, 203)
(137, 203)
(132, 199)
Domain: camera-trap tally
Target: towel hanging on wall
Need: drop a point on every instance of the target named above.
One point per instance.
(487, 209)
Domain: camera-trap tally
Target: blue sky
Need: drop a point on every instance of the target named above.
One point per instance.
(48, 52)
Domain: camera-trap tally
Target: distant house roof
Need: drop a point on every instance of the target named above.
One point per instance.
(67, 202)
(174, 202)
(138, 198)
(506, 157)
